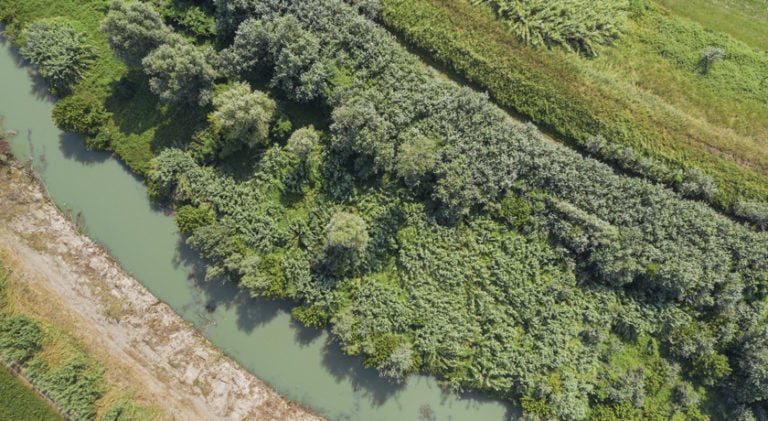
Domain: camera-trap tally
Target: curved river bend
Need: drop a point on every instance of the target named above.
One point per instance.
(113, 208)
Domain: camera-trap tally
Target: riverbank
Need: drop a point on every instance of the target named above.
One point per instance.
(144, 345)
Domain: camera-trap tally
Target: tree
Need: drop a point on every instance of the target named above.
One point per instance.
(180, 72)
(60, 52)
(347, 231)
(302, 141)
(133, 29)
(296, 54)
(416, 156)
(242, 117)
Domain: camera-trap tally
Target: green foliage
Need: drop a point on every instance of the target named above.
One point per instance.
(133, 29)
(178, 71)
(311, 316)
(19, 402)
(347, 231)
(585, 97)
(80, 113)
(754, 212)
(242, 117)
(189, 218)
(470, 247)
(577, 25)
(417, 156)
(303, 141)
(20, 339)
(60, 52)
(75, 384)
(193, 19)
(710, 56)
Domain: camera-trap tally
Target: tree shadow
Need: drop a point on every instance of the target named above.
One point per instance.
(303, 335)
(39, 88)
(72, 147)
(366, 380)
(251, 312)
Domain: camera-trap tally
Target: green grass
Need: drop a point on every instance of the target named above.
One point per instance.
(745, 20)
(646, 92)
(19, 402)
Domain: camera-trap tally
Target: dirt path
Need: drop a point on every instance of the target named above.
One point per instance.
(141, 341)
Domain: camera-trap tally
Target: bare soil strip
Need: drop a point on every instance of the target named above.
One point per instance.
(144, 345)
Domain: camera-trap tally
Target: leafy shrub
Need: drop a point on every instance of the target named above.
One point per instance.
(347, 231)
(303, 141)
(577, 25)
(80, 113)
(20, 339)
(755, 212)
(710, 56)
(75, 384)
(189, 218)
(60, 52)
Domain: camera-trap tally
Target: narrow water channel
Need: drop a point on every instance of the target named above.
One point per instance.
(113, 208)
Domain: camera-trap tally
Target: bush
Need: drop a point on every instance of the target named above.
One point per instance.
(60, 52)
(133, 29)
(75, 384)
(189, 218)
(709, 56)
(20, 339)
(80, 113)
(577, 25)
(303, 141)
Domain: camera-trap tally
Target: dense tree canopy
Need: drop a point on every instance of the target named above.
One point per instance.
(242, 116)
(434, 233)
(133, 29)
(180, 72)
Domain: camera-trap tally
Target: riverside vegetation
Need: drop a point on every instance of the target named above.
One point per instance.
(687, 122)
(308, 156)
(50, 359)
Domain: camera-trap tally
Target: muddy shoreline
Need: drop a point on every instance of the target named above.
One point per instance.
(141, 341)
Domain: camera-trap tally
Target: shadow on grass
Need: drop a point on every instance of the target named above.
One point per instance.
(137, 111)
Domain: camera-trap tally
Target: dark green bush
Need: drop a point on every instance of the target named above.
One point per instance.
(80, 113)
(189, 218)
(20, 339)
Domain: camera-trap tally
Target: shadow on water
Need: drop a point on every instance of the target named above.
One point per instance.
(253, 312)
(364, 380)
(71, 145)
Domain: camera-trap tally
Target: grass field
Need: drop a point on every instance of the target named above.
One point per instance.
(18, 402)
(646, 92)
(744, 20)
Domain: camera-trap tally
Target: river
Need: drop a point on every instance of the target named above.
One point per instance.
(111, 205)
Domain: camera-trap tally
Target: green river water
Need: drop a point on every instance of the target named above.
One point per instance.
(300, 363)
